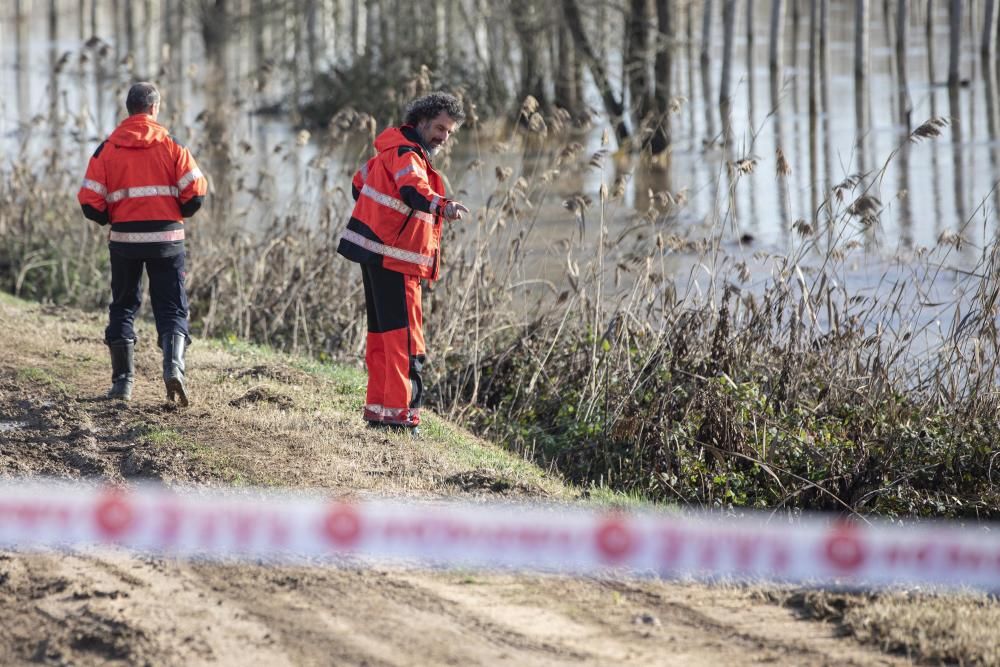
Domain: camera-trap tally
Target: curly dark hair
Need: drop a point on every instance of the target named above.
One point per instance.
(429, 106)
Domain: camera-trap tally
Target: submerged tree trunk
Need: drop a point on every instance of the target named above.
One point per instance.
(636, 59)
(567, 83)
(706, 32)
(528, 25)
(130, 28)
(663, 70)
(902, 17)
(728, 32)
(824, 49)
(313, 26)
(777, 28)
(148, 39)
(214, 28)
(796, 20)
(862, 12)
(612, 105)
(357, 21)
(813, 56)
(929, 41)
(954, 42)
(989, 39)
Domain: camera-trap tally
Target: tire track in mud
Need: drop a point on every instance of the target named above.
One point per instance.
(89, 609)
(733, 616)
(358, 615)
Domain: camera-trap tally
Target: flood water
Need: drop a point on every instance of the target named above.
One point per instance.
(938, 185)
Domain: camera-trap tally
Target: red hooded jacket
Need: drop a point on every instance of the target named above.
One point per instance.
(144, 183)
(399, 198)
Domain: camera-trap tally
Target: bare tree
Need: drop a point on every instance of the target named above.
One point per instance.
(528, 24)
(612, 104)
(214, 17)
(706, 33)
(777, 29)
(954, 42)
(663, 70)
(636, 58)
(568, 83)
(728, 31)
(862, 12)
(989, 39)
(902, 15)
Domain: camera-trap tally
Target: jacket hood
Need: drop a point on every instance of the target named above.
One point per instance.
(394, 137)
(138, 131)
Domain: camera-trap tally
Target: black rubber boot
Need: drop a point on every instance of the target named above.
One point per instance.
(173, 368)
(122, 368)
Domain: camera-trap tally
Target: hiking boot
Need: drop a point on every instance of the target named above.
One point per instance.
(122, 368)
(173, 368)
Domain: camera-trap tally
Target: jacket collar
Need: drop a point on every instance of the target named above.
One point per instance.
(411, 134)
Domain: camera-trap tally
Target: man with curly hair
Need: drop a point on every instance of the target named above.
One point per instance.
(395, 235)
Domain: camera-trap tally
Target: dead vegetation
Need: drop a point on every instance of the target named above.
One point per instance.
(929, 627)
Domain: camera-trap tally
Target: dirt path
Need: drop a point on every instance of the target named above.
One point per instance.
(263, 419)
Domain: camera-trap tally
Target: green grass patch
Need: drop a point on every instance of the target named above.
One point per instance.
(8, 299)
(219, 464)
(465, 451)
(604, 496)
(41, 376)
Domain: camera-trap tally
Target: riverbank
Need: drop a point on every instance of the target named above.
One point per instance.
(263, 418)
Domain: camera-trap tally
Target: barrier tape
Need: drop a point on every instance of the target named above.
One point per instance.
(288, 528)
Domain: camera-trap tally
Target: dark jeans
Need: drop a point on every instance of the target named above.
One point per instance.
(166, 292)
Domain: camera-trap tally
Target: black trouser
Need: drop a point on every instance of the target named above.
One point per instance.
(166, 292)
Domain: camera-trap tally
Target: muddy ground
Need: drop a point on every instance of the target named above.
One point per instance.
(264, 419)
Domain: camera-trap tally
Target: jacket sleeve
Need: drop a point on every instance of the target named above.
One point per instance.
(191, 182)
(94, 190)
(410, 174)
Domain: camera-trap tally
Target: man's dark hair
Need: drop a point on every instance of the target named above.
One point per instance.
(141, 97)
(429, 106)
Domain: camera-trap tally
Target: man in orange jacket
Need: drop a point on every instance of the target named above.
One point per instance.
(144, 183)
(395, 234)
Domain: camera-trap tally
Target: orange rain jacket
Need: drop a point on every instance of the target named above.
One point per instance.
(396, 222)
(144, 183)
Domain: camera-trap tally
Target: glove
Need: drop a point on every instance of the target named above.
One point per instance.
(454, 210)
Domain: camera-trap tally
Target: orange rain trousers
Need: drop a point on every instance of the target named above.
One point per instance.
(395, 347)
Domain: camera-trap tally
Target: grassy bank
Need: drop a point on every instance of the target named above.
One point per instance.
(261, 418)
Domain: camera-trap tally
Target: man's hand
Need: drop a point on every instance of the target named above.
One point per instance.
(455, 210)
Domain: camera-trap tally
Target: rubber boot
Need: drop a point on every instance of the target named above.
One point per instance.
(173, 368)
(122, 368)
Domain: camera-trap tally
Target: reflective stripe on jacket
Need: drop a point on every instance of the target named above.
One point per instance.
(143, 182)
(396, 221)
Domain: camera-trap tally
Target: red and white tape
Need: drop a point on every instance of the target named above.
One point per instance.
(290, 528)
